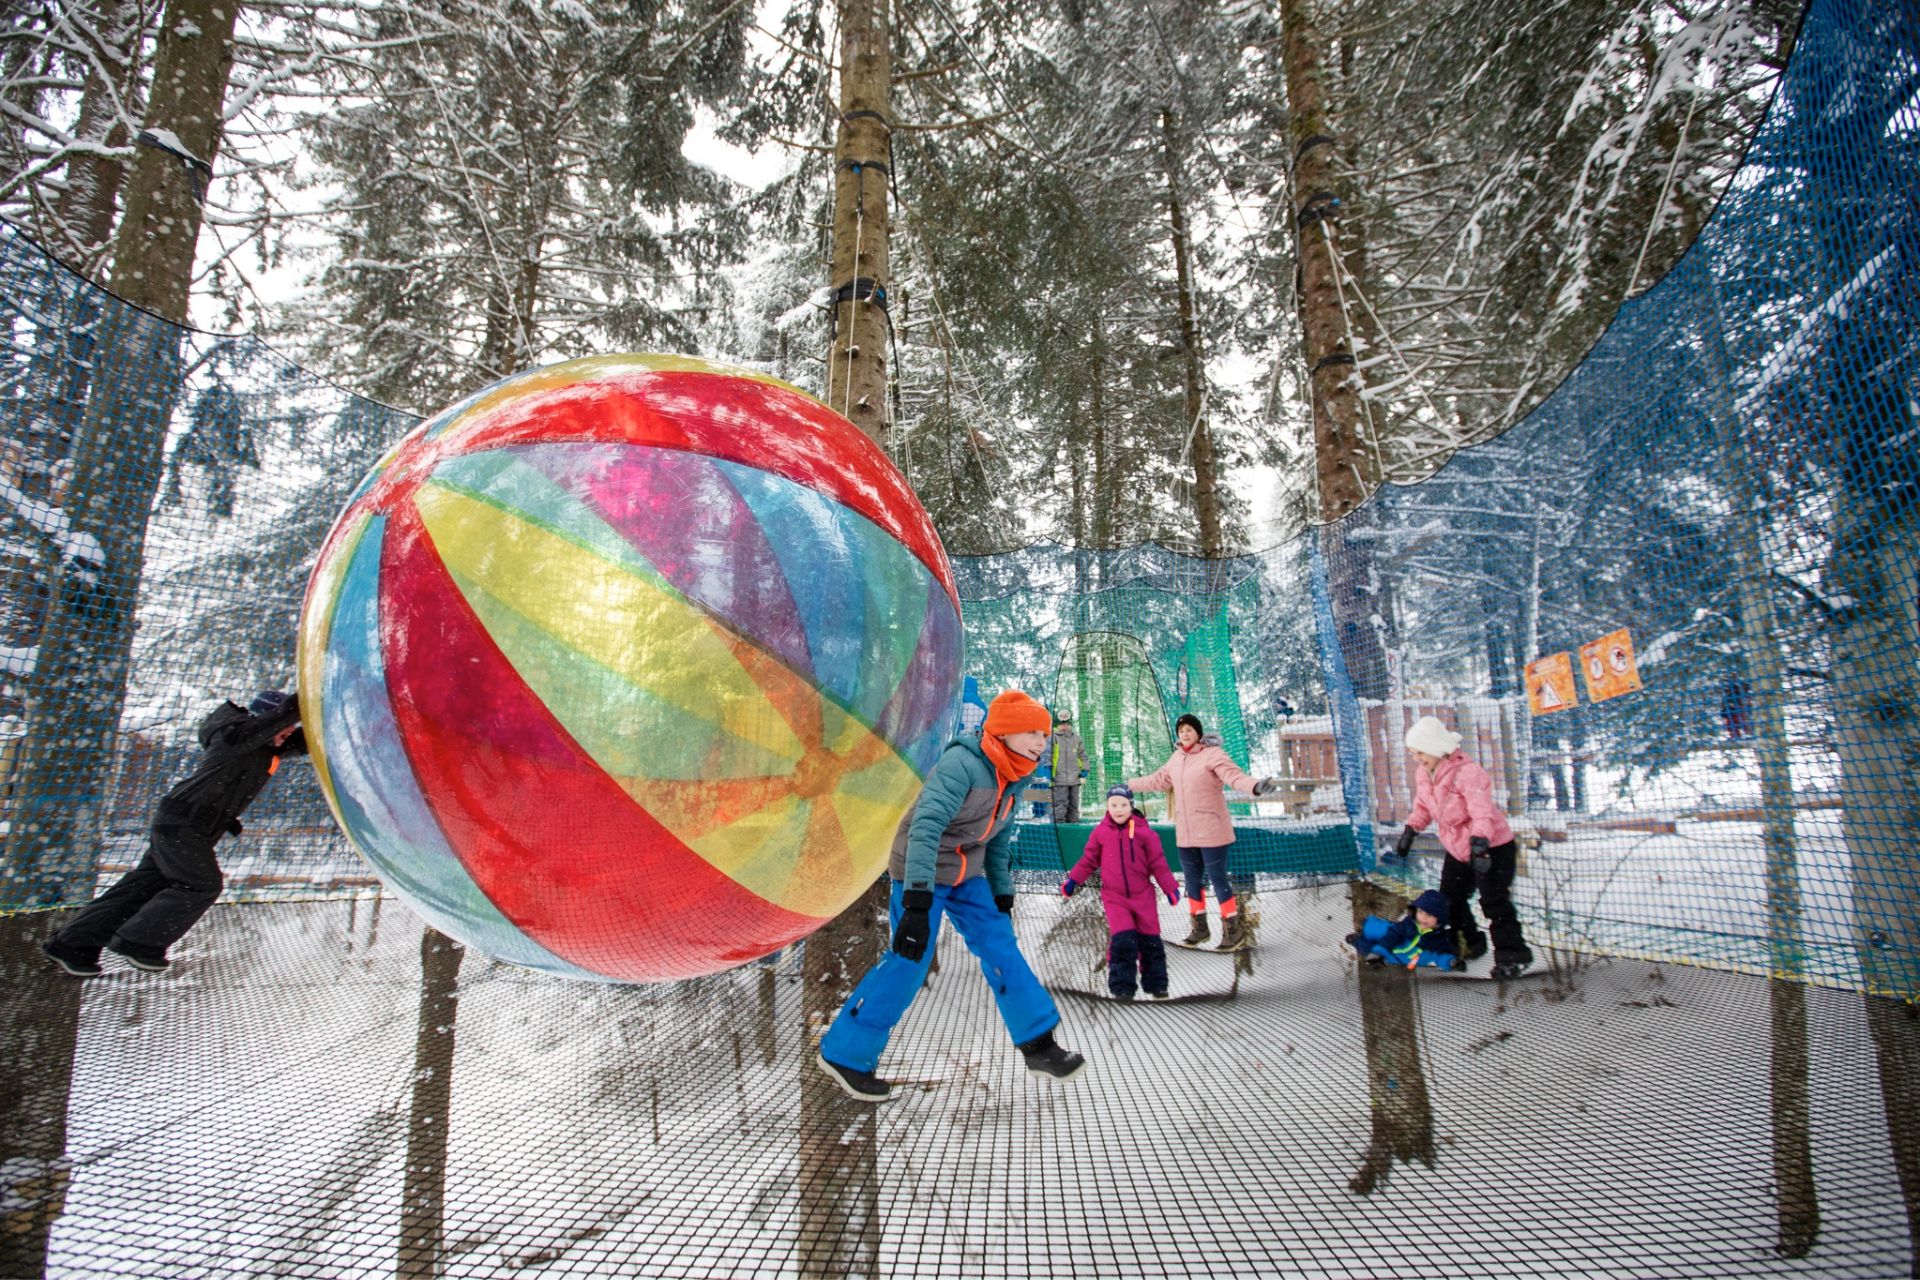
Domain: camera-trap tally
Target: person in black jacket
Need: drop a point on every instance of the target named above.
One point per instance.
(154, 904)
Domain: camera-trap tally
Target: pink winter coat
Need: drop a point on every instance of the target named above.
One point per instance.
(1130, 862)
(1460, 795)
(1197, 779)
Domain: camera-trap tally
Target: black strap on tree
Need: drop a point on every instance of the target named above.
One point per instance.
(199, 172)
(862, 289)
(1319, 205)
(1308, 144)
(1329, 361)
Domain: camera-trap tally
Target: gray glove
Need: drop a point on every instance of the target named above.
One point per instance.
(1478, 855)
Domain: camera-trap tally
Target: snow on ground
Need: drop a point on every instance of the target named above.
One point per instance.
(247, 1115)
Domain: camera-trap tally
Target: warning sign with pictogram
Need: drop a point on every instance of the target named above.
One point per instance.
(1608, 665)
(1550, 683)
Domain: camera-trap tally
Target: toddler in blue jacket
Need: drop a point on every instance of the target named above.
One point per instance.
(1417, 938)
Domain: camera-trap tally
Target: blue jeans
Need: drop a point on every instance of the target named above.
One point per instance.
(1215, 863)
(860, 1030)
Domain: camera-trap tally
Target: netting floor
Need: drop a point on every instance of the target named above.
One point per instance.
(250, 1114)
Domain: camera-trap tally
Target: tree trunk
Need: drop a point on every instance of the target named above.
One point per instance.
(1106, 484)
(1797, 1196)
(1198, 433)
(838, 1222)
(84, 208)
(1895, 1025)
(857, 367)
(1797, 1201)
(39, 1019)
(1874, 729)
(1342, 462)
(1402, 1109)
(423, 1192)
(153, 252)
(838, 1217)
(78, 684)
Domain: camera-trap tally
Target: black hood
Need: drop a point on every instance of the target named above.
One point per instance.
(219, 718)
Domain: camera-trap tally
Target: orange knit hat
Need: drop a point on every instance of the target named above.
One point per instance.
(1014, 712)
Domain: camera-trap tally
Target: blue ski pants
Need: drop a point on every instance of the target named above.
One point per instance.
(860, 1030)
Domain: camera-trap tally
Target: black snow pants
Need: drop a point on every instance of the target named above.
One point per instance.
(1459, 883)
(1130, 951)
(154, 904)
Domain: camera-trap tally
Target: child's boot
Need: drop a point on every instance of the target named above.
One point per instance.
(1199, 933)
(1045, 1057)
(78, 961)
(1153, 966)
(1233, 927)
(140, 956)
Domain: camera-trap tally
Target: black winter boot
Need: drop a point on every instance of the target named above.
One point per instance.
(150, 959)
(1044, 1057)
(77, 961)
(1200, 931)
(861, 1086)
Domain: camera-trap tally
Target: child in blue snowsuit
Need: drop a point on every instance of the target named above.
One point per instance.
(953, 860)
(1414, 940)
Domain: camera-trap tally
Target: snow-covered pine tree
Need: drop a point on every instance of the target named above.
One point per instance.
(505, 186)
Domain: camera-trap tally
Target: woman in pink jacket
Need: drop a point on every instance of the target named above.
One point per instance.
(1198, 774)
(1455, 792)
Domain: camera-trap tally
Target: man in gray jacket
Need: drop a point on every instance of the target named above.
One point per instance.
(1068, 756)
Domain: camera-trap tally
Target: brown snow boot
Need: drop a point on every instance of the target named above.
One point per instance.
(1200, 931)
(1233, 932)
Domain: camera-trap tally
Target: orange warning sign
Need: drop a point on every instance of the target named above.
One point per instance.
(1550, 683)
(1608, 665)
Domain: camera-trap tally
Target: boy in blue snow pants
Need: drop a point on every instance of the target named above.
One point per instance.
(953, 860)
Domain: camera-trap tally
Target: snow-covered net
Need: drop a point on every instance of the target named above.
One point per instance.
(1729, 480)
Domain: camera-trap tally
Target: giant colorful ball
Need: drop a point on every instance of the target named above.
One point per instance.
(629, 667)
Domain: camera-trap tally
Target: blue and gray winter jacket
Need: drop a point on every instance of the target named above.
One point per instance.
(961, 827)
(1404, 942)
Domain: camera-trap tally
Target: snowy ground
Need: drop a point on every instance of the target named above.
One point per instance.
(247, 1115)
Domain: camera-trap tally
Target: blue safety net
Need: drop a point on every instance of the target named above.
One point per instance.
(1672, 611)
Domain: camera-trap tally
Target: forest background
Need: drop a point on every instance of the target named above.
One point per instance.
(1104, 232)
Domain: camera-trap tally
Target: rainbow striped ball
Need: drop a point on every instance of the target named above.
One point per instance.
(629, 667)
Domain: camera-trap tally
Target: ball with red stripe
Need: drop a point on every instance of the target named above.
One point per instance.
(629, 667)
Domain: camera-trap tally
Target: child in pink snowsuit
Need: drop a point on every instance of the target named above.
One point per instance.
(1127, 854)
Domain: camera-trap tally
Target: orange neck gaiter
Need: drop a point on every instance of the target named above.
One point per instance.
(1009, 766)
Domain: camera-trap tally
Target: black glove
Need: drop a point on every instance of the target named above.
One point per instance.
(910, 936)
(233, 827)
(1478, 855)
(1004, 901)
(1404, 845)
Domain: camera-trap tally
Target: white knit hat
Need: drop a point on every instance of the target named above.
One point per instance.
(1432, 737)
